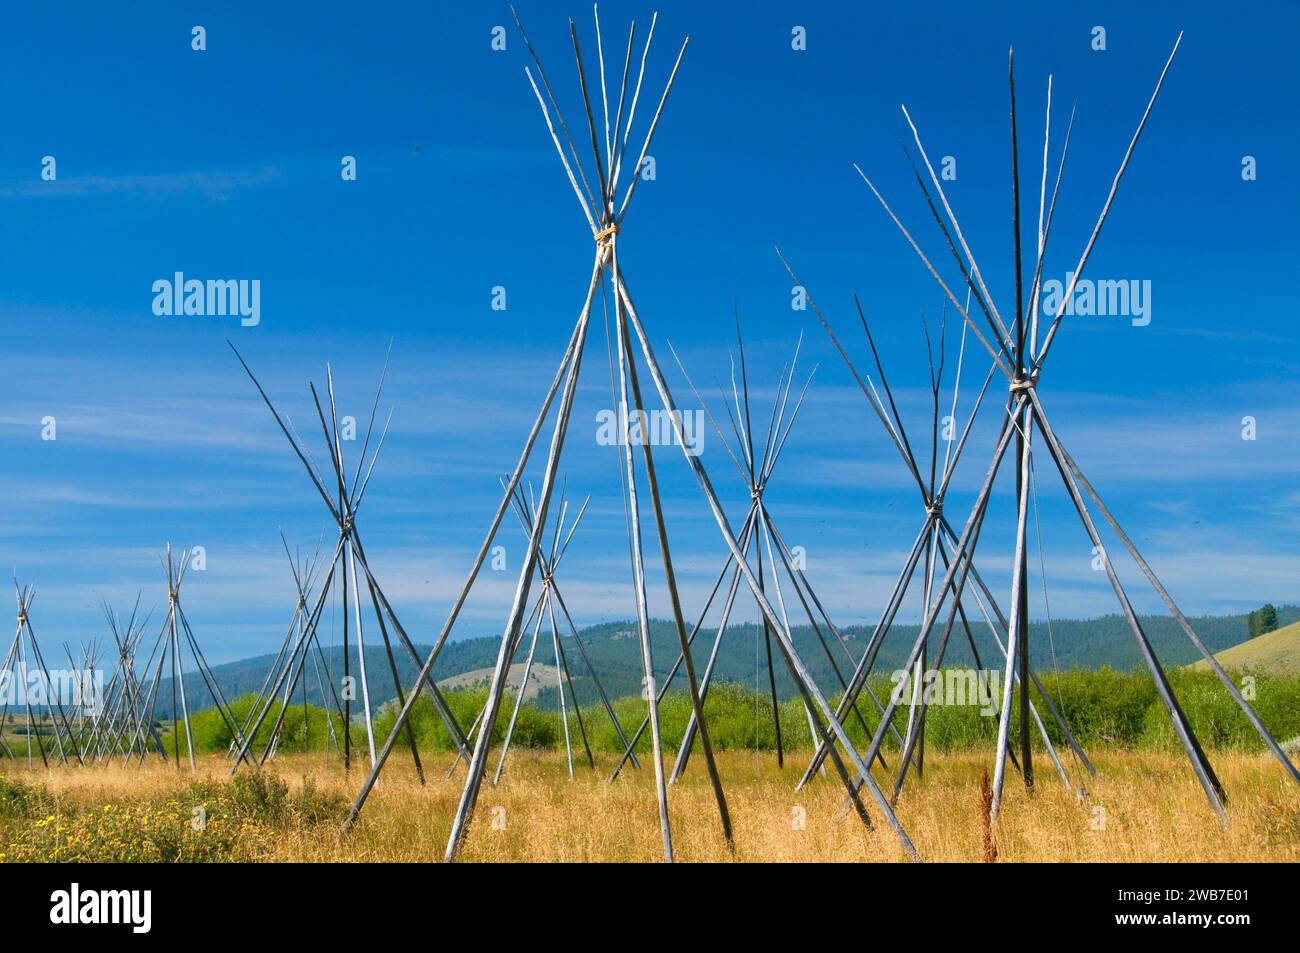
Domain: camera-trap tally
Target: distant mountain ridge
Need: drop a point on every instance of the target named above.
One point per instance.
(614, 652)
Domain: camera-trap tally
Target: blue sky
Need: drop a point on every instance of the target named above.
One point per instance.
(225, 164)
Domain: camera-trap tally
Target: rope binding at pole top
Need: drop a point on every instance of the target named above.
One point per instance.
(606, 234)
(1024, 383)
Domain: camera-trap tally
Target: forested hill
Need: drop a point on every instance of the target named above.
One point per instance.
(614, 653)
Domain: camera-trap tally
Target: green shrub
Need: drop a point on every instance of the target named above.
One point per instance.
(1216, 718)
(300, 732)
(19, 799)
(1103, 708)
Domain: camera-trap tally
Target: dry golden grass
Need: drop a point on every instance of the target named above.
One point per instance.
(1153, 810)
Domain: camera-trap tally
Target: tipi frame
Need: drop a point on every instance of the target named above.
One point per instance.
(14, 674)
(348, 554)
(605, 220)
(297, 633)
(933, 480)
(756, 467)
(544, 606)
(124, 724)
(1020, 354)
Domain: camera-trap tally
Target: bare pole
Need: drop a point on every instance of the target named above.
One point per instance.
(1003, 332)
(6, 676)
(519, 697)
(595, 678)
(574, 347)
(1200, 763)
(573, 692)
(859, 677)
(755, 479)
(960, 563)
(361, 646)
(1042, 203)
(654, 124)
(1186, 626)
(993, 353)
(756, 494)
(27, 704)
(765, 537)
(692, 683)
(983, 590)
(548, 569)
(293, 668)
(344, 513)
(590, 200)
(57, 707)
(1004, 344)
(591, 121)
(178, 676)
(429, 685)
(918, 676)
(612, 144)
(800, 583)
(943, 645)
(676, 666)
(577, 637)
(470, 794)
(150, 708)
(639, 589)
(636, 96)
(349, 588)
(439, 705)
(1015, 640)
(1023, 434)
(812, 695)
(148, 697)
(933, 607)
(688, 739)
(1105, 211)
(1047, 229)
(205, 672)
(285, 643)
(559, 684)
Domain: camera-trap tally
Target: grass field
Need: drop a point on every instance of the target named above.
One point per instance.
(1277, 651)
(1144, 806)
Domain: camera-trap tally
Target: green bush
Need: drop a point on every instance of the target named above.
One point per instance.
(213, 735)
(1216, 718)
(20, 799)
(1103, 708)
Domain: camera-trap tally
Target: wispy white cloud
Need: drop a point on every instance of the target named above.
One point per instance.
(213, 185)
